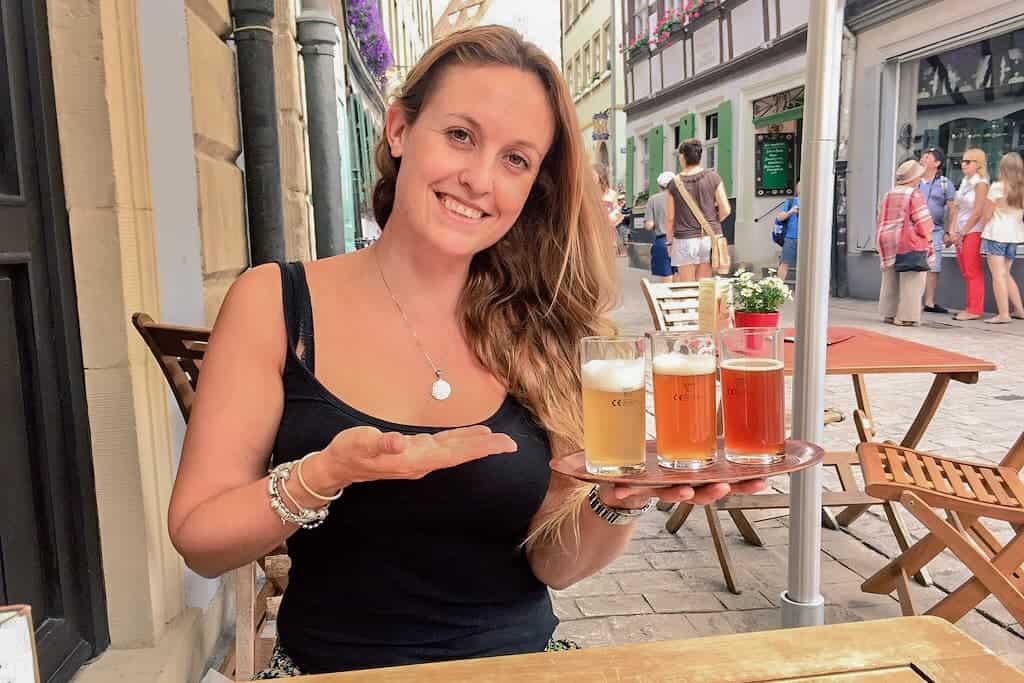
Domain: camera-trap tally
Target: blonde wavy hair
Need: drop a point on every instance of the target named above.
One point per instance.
(549, 281)
(1011, 175)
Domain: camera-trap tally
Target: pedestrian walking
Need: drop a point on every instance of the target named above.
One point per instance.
(412, 541)
(691, 248)
(970, 206)
(904, 247)
(656, 220)
(610, 202)
(626, 224)
(1003, 232)
(788, 220)
(940, 193)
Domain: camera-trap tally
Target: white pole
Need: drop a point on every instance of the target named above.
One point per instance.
(802, 603)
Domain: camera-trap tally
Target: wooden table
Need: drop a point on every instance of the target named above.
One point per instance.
(856, 352)
(912, 649)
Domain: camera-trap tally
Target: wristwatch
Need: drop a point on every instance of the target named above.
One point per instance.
(615, 515)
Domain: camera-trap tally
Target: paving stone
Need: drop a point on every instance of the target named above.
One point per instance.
(650, 628)
(637, 547)
(628, 563)
(639, 582)
(994, 609)
(712, 579)
(835, 572)
(566, 609)
(687, 559)
(736, 622)
(850, 595)
(749, 599)
(745, 555)
(772, 537)
(610, 605)
(994, 636)
(840, 615)
(672, 544)
(878, 611)
(599, 584)
(683, 601)
(586, 632)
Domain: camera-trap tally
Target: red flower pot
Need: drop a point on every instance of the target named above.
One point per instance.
(747, 319)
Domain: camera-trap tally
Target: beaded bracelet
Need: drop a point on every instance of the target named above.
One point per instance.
(304, 518)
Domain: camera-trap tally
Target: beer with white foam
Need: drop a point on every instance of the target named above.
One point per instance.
(613, 373)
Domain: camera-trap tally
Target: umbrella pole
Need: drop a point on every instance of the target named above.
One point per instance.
(802, 603)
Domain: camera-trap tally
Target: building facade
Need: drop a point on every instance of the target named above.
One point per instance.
(730, 73)
(409, 26)
(593, 67)
(927, 74)
(538, 21)
(122, 189)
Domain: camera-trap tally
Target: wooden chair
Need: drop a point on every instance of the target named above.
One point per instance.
(179, 352)
(968, 492)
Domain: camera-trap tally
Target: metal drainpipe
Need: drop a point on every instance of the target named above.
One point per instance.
(317, 32)
(254, 39)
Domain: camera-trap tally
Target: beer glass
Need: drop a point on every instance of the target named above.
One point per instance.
(613, 374)
(753, 395)
(683, 365)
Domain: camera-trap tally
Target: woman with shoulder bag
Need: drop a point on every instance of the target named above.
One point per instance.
(904, 247)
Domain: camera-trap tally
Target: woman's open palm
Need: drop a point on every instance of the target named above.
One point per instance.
(367, 454)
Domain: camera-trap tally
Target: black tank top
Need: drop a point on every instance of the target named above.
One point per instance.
(405, 572)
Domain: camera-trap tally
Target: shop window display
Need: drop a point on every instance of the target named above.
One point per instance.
(972, 96)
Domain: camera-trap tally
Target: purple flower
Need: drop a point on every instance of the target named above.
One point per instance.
(364, 19)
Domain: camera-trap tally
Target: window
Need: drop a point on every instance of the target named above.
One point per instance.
(586, 65)
(596, 67)
(711, 141)
(606, 47)
(576, 79)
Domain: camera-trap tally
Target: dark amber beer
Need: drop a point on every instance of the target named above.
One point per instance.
(684, 410)
(753, 405)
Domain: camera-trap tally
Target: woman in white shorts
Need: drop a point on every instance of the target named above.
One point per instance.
(689, 246)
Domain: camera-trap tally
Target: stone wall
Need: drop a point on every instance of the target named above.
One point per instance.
(291, 127)
(218, 142)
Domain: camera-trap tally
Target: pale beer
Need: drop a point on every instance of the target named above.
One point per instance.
(753, 403)
(613, 415)
(684, 409)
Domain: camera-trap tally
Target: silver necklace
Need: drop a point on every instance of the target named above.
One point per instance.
(440, 389)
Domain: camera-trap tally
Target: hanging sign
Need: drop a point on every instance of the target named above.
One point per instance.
(774, 157)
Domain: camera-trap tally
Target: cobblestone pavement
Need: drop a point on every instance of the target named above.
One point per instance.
(667, 586)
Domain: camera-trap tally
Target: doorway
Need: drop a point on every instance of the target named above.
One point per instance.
(49, 537)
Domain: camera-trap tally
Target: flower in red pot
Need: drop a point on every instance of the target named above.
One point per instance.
(757, 303)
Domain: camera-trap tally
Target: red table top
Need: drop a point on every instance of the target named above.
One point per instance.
(854, 351)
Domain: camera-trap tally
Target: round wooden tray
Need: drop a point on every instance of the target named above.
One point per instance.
(799, 455)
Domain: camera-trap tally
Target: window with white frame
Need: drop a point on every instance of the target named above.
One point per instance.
(597, 67)
(711, 140)
(586, 65)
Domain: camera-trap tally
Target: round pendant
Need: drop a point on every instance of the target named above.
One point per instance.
(440, 389)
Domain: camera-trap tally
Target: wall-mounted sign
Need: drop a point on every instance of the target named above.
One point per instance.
(600, 122)
(774, 156)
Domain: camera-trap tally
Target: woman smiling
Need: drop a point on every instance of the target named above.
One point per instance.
(414, 538)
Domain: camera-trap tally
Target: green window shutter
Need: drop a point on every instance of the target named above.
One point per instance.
(725, 145)
(630, 152)
(357, 124)
(655, 158)
(687, 129)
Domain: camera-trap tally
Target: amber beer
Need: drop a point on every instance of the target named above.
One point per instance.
(753, 395)
(613, 415)
(684, 410)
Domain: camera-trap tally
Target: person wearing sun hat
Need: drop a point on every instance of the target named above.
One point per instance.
(904, 247)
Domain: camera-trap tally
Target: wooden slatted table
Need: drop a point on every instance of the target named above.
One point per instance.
(912, 649)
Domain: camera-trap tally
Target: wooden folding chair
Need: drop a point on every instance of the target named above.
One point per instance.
(179, 352)
(968, 493)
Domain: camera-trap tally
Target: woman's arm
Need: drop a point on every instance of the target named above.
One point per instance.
(220, 515)
(722, 200)
(585, 543)
(670, 218)
(980, 199)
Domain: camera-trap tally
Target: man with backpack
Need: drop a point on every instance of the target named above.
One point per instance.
(940, 193)
(785, 232)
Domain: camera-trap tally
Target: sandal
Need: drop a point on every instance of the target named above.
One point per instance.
(969, 316)
(905, 323)
(889, 321)
(1017, 316)
(997, 321)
